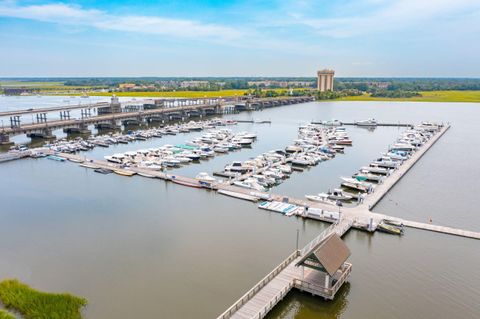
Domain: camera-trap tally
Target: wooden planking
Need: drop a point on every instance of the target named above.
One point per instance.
(442, 229)
(269, 295)
(272, 292)
(380, 190)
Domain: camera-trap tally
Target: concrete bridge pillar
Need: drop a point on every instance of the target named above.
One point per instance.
(4, 139)
(47, 133)
(83, 128)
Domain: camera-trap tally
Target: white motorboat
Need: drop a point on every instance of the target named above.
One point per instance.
(115, 158)
(369, 122)
(250, 183)
(376, 170)
(237, 167)
(293, 149)
(355, 184)
(381, 162)
(244, 142)
(220, 149)
(204, 177)
(320, 198)
(336, 194)
(332, 122)
(183, 159)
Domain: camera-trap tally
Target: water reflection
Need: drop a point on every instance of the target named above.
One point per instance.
(302, 305)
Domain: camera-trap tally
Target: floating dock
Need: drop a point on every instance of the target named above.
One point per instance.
(378, 124)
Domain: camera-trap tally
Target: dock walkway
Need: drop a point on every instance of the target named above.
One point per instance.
(380, 190)
(259, 300)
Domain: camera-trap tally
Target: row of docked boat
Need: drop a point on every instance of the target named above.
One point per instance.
(315, 143)
(214, 141)
(357, 187)
(80, 144)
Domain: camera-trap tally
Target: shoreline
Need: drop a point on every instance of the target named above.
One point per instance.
(427, 96)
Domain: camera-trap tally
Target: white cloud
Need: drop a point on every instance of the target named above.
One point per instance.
(66, 14)
(392, 15)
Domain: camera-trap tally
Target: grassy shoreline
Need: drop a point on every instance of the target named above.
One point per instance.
(34, 304)
(427, 96)
(6, 315)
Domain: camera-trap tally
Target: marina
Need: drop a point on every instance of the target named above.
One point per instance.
(239, 160)
(265, 295)
(357, 216)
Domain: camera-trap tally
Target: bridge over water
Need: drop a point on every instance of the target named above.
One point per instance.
(109, 114)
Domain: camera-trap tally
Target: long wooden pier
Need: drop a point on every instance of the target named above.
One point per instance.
(271, 289)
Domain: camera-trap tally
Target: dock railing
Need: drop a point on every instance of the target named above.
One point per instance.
(319, 238)
(323, 291)
(265, 310)
(246, 297)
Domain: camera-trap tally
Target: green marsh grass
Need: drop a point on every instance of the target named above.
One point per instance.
(427, 96)
(6, 315)
(34, 304)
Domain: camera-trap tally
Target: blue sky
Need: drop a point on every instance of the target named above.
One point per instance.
(427, 38)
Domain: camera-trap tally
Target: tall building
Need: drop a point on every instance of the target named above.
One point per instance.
(325, 80)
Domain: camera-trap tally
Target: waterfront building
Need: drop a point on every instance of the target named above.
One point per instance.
(325, 80)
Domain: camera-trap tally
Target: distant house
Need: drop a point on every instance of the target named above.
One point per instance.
(127, 86)
(193, 84)
(17, 91)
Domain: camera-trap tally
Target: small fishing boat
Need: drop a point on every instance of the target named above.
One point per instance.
(186, 183)
(363, 176)
(390, 229)
(369, 122)
(376, 170)
(204, 177)
(103, 170)
(320, 199)
(336, 194)
(237, 167)
(250, 183)
(345, 141)
(220, 149)
(300, 162)
(38, 155)
(75, 160)
(293, 149)
(123, 172)
(145, 175)
(116, 158)
(332, 122)
(385, 163)
(357, 185)
(393, 222)
(56, 158)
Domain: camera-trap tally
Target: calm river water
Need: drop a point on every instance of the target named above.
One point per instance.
(141, 248)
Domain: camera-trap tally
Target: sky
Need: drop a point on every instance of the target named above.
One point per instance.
(356, 38)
